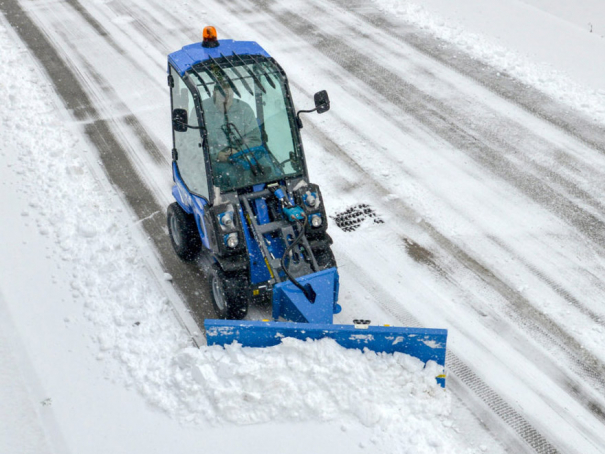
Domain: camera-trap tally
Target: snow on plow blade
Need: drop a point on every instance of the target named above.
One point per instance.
(422, 343)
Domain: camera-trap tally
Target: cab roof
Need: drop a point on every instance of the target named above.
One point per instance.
(192, 54)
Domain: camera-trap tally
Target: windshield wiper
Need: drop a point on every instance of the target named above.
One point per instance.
(224, 74)
(256, 60)
(256, 79)
(215, 80)
(201, 80)
(238, 74)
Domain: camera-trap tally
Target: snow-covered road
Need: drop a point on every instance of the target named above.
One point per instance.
(486, 170)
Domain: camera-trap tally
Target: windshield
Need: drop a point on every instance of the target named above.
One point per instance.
(249, 119)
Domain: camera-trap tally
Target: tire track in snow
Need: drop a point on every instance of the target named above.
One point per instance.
(145, 24)
(187, 279)
(557, 287)
(128, 118)
(446, 123)
(530, 99)
(105, 34)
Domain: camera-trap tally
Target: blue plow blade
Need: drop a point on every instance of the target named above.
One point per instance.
(422, 343)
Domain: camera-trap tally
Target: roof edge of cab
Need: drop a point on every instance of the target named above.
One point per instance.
(192, 54)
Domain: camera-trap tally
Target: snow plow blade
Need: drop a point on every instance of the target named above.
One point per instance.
(422, 343)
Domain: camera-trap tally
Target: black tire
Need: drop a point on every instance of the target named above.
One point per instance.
(184, 235)
(230, 293)
(325, 258)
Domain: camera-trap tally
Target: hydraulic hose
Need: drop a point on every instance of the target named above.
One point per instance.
(306, 289)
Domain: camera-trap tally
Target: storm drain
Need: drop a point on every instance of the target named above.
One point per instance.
(352, 217)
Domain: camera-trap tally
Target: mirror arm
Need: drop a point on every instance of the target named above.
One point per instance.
(189, 126)
(298, 120)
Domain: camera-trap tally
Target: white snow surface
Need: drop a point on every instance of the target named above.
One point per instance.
(554, 46)
(92, 358)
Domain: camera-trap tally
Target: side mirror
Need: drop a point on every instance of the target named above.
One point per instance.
(179, 120)
(322, 101)
(322, 104)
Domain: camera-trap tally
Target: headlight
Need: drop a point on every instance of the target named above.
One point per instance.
(316, 220)
(231, 240)
(310, 199)
(226, 219)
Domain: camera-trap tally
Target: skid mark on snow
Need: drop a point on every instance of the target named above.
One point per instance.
(419, 253)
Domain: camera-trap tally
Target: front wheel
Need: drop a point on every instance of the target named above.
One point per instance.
(229, 293)
(184, 235)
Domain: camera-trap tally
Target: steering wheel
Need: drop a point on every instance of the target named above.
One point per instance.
(249, 156)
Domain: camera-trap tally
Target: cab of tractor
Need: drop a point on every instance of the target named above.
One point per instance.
(242, 190)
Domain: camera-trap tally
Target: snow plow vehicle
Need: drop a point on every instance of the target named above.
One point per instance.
(244, 199)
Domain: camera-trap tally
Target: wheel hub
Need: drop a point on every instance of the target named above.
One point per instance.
(176, 233)
(219, 298)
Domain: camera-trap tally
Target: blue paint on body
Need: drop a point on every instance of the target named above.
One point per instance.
(290, 303)
(190, 55)
(190, 203)
(258, 269)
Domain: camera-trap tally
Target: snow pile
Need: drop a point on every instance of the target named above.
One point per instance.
(316, 380)
(299, 380)
(92, 235)
(134, 331)
(541, 76)
(94, 250)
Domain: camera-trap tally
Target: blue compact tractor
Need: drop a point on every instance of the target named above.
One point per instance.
(245, 199)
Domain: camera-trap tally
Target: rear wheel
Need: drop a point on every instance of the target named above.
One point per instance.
(230, 293)
(184, 234)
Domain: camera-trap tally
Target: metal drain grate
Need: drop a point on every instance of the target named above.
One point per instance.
(352, 217)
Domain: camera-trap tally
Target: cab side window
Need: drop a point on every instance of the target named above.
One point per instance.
(190, 161)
